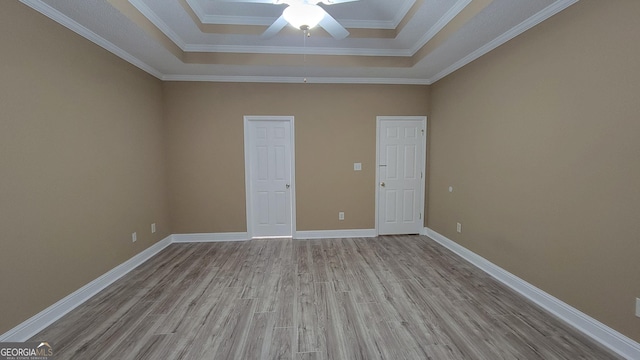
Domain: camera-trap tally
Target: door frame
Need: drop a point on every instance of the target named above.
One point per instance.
(379, 119)
(247, 169)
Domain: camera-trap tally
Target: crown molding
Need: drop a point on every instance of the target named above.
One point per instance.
(296, 79)
(266, 21)
(532, 21)
(159, 23)
(390, 24)
(72, 25)
(147, 12)
(225, 19)
(444, 20)
(292, 50)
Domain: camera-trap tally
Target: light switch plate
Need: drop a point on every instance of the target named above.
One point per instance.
(638, 307)
(357, 166)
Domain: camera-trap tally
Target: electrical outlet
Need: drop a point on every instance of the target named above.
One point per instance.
(341, 215)
(153, 228)
(459, 227)
(134, 237)
(638, 307)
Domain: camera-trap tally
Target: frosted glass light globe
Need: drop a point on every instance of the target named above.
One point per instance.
(303, 16)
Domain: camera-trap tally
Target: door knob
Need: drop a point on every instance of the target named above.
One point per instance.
(288, 186)
(382, 184)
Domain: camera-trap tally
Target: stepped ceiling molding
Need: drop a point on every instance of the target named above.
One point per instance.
(390, 41)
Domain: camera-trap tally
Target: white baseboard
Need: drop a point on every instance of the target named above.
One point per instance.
(210, 237)
(608, 337)
(243, 236)
(41, 320)
(46, 317)
(336, 234)
(591, 327)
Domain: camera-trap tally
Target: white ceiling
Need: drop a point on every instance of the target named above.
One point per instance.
(391, 41)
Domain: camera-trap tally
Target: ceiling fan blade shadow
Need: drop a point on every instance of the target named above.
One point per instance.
(275, 28)
(333, 27)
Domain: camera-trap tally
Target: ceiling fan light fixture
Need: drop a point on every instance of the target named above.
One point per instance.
(303, 16)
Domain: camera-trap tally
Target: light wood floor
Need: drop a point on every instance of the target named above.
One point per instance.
(401, 297)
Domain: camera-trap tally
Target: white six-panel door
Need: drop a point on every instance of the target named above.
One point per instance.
(269, 176)
(401, 163)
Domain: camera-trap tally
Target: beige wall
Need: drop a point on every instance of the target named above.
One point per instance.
(538, 138)
(335, 126)
(81, 162)
(540, 141)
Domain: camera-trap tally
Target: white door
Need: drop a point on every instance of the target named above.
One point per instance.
(269, 176)
(401, 164)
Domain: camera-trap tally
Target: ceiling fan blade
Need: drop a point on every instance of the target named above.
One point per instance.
(331, 2)
(275, 28)
(253, 1)
(333, 27)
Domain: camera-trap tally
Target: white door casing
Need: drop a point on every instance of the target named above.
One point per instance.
(400, 174)
(269, 176)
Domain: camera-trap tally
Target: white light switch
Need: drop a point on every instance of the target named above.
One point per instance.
(357, 166)
(450, 188)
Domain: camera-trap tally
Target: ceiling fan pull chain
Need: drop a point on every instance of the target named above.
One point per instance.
(304, 47)
(304, 54)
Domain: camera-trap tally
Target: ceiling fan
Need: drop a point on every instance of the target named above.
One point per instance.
(304, 15)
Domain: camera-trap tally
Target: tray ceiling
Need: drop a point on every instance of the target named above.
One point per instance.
(390, 42)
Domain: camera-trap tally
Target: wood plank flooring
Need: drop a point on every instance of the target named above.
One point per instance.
(392, 297)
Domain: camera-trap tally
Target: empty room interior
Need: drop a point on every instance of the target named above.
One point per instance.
(461, 184)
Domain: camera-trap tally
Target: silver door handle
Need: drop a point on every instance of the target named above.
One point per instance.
(382, 184)
(288, 186)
